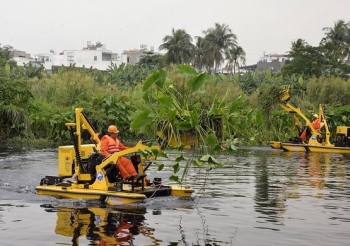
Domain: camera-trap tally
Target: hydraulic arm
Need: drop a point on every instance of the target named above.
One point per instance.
(316, 136)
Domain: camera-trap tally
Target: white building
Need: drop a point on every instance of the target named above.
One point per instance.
(95, 56)
(20, 57)
(46, 59)
(134, 55)
(272, 62)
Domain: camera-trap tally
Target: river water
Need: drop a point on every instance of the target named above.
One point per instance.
(260, 196)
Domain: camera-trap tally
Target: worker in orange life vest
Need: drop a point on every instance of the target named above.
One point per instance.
(316, 122)
(111, 144)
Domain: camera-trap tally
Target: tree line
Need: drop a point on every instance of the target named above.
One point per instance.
(219, 45)
(35, 105)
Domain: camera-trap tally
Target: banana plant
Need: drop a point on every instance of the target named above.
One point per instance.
(169, 107)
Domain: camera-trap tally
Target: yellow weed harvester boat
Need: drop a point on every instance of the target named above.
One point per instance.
(84, 173)
(316, 141)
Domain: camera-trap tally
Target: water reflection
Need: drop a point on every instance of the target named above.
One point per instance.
(315, 168)
(100, 225)
(269, 198)
(298, 176)
(282, 198)
(319, 170)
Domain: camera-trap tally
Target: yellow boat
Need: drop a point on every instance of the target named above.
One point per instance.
(316, 141)
(83, 172)
(293, 147)
(275, 145)
(327, 149)
(312, 148)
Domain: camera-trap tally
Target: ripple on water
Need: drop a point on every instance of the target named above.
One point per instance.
(259, 197)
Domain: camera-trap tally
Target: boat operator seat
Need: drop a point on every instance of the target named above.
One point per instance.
(112, 171)
(136, 160)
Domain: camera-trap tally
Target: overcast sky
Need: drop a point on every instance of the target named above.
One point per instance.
(269, 26)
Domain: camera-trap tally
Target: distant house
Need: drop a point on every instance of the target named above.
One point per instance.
(20, 57)
(93, 55)
(46, 59)
(134, 55)
(272, 62)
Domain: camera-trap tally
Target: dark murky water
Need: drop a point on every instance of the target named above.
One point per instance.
(260, 197)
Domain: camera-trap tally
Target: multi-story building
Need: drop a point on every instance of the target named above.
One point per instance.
(20, 57)
(133, 56)
(93, 55)
(272, 62)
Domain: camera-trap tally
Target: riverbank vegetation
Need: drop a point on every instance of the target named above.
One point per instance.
(169, 93)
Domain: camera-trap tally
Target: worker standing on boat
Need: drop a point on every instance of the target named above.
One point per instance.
(111, 144)
(316, 122)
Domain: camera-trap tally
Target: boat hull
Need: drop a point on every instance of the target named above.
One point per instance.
(111, 197)
(314, 148)
(275, 145)
(293, 147)
(88, 194)
(327, 149)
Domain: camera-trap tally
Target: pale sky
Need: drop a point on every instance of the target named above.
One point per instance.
(37, 26)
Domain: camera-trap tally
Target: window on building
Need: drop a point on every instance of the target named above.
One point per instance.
(70, 56)
(106, 57)
(95, 58)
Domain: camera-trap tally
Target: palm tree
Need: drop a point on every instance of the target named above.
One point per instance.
(218, 41)
(179, 46)
(299, 44)
(337, 39)
(236, 57)
(201, 60)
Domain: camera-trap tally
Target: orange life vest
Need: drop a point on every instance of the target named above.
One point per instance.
(113, 145)
(316, 124)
